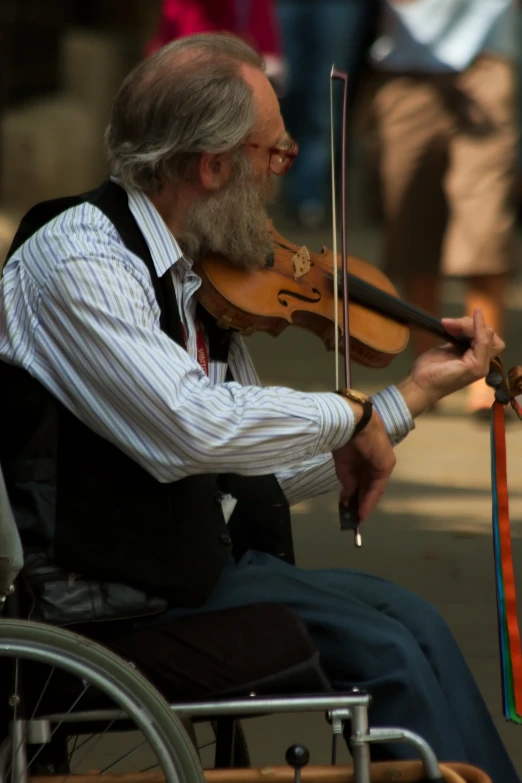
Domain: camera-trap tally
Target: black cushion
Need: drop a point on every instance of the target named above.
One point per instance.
(263, 647)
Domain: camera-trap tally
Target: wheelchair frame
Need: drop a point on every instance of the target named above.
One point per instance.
(340, 708)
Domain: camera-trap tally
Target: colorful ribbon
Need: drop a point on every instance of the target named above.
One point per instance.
(509, 633)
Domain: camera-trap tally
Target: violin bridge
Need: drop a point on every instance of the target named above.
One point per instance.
(301, 262)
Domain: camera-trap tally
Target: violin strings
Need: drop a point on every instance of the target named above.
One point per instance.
(393, 307)
(334, 237)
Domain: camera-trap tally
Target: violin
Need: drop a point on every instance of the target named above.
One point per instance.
(296, 287)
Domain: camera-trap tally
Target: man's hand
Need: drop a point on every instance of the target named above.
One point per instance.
(364, 465)
(444, 370)
(366, 462)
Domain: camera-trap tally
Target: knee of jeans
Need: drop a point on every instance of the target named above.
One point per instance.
(408, 668)
(426, 622)
(427, 612)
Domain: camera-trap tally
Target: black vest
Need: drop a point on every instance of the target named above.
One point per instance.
(95, 511)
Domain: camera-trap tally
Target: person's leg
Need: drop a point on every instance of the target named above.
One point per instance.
(479, 187)
(316, 34)
(296, 24)
(375, 636)
(518, 178)
(409, 126)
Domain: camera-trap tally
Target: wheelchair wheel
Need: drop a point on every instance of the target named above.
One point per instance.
(57, 686)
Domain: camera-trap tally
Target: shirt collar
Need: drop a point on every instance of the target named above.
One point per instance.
(163, 247)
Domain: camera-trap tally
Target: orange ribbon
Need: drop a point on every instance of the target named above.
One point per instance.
(509, 632)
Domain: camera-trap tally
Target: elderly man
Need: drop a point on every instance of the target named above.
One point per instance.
(140, 448)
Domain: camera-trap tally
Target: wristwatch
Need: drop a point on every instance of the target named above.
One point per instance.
(362, 399)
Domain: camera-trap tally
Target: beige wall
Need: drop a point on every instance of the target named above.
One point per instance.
(52, 145)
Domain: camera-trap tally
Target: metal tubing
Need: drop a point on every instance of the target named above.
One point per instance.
(429, 759)
(38, 731)
(251, 706)
(337, 719)
(5, 750)
(359, 745)
(19, 755)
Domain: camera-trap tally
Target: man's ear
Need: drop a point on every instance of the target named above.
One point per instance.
(214, 169)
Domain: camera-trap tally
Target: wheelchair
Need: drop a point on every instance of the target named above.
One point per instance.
(61, 691)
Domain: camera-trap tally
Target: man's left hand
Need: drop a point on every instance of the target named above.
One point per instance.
(444, 370)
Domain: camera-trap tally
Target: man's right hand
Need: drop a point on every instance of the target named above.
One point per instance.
(364, 465)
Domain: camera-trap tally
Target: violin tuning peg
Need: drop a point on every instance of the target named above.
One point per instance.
(502, 395)
(494, 379)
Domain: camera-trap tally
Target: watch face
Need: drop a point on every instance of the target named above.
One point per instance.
(357, 396)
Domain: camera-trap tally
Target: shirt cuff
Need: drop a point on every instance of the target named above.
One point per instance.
(395, 414)
(337, 422)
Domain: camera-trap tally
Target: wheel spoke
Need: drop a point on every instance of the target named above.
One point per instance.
(14, 699)
(97, 740)
(122, 758)
(53, 732)
(78, 745)
(42, 694)
(148, 769)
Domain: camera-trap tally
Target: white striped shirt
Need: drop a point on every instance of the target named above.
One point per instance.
(79, 313)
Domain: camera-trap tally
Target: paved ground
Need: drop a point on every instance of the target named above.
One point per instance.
(432, 532)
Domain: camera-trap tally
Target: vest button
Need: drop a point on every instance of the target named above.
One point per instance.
(226, 539)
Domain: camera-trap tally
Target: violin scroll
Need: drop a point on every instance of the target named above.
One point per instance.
(507, 387)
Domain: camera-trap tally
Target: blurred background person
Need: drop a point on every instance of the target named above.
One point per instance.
(316, 34)
(445, 123)
(518, 187)
(253, 20)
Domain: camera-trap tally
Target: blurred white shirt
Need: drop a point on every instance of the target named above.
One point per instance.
(443, 35)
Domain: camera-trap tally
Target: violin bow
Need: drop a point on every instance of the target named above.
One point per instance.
(348, 516)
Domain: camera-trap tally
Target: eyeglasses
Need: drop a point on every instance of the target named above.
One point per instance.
(280, 160)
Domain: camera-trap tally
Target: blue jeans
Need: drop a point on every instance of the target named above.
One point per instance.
(377, 636)
(317, 34)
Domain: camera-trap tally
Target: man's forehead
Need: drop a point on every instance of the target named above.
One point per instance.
(271, 131)
(269, 122)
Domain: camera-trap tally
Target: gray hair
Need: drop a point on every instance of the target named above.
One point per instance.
(186, 99)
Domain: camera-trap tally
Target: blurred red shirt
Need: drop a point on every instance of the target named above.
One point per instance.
(255, 21)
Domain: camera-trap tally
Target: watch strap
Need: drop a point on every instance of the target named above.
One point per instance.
(366, 404)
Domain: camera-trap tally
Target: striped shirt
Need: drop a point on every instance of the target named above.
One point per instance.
(79, 313)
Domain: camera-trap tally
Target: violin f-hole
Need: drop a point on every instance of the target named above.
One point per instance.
(300, 297)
